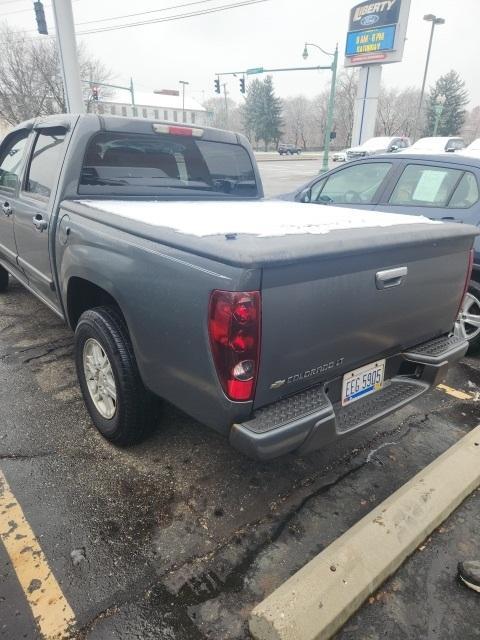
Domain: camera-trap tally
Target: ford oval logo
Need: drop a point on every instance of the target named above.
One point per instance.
(367, 21)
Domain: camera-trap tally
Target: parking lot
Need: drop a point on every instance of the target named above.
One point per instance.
(179, 537)
(284, 174)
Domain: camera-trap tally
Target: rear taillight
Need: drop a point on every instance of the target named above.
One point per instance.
(234, 328)
(467, 279)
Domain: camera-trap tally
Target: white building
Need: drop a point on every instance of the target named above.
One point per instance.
(152, 105)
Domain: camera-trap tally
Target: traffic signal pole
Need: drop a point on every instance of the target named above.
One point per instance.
(67, 48)
(331, 100)
(331, 106)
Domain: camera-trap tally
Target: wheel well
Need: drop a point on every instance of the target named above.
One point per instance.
(83, 295)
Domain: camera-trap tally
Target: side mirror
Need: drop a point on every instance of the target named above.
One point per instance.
(450, 150)
(394, 147)
(305, 195)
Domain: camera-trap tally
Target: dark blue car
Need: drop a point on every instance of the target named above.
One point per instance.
(441, 187)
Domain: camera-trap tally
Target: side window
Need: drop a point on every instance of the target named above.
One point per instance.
(352, 185)
(11, 161)
(426, 186)
(45, 162)
(466, 194)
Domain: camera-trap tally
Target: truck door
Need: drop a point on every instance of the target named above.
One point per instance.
(12, 154)
(34, 207)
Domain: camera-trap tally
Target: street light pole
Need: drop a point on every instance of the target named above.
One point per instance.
(67, 48)
(434, 20)
(331, 100)
(438, 108)
(183, 83)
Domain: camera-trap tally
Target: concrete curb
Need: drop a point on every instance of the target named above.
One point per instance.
(286, 159)
(316, 601)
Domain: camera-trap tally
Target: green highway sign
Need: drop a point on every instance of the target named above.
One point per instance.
(251, 72)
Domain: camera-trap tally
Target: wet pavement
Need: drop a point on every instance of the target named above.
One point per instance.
(178, 537)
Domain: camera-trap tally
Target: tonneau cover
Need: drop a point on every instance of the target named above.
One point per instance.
(257, 233)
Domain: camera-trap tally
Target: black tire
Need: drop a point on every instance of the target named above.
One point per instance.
(474, 342)
(3, 279)
(134, 412)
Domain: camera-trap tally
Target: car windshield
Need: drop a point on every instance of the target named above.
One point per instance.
(137, 164)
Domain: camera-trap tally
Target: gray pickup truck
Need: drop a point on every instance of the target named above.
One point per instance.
(283, 327)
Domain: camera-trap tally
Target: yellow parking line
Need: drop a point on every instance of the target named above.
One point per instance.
(460, 395)
(52, 613)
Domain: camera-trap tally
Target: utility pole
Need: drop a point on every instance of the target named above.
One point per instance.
(132, 92)
(224, 85)
(67, 48)
(183, 83)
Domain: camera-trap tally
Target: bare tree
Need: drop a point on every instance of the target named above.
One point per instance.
(218, 116)
(30, 79)
(471, 128)
(298, 117)
(397, 110)
(345, 106)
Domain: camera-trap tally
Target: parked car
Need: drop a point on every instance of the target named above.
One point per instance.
(440, 187)
(288, 149)
(282, 329)
(472, 150)
(340, 156)
(374, 146)
(436, 145)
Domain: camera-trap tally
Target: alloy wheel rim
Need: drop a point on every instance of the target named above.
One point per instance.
(100, 379)
(468, 321)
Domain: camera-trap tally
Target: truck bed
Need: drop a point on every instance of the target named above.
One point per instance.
(256, 234)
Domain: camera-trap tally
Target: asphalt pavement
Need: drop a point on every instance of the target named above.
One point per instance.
(179, 537)
(288, 174)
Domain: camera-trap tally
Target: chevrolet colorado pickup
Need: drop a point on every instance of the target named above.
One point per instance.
(282, 326)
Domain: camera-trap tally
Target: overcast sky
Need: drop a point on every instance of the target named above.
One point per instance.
(270, 34)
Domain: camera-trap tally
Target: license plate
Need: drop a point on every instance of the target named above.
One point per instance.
(362, 382)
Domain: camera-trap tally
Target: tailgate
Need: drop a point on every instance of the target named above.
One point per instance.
(323, 318)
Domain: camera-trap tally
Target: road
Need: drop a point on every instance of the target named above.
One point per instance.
(177, 538)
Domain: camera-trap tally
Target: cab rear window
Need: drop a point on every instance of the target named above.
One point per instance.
(163, 164)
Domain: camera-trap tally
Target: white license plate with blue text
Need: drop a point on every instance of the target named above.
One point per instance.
(362, 382)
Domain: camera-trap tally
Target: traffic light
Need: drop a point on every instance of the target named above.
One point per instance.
(333, 135)
(40, 16)
(242, 85)
(95, 94)
(217, 85)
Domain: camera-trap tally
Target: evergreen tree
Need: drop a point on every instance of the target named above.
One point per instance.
(263, 112)
(452, 88)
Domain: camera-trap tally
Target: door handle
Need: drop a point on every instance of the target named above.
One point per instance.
(39, 223)
(7, 209)
(390, 277)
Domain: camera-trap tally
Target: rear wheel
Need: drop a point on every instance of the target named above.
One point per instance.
(119, 405)
(3, 279)
(468, 321)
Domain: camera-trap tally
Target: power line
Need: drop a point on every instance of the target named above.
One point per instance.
(180, 16)
(142, 13)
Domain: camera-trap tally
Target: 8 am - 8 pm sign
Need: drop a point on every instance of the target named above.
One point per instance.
(376, 32)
